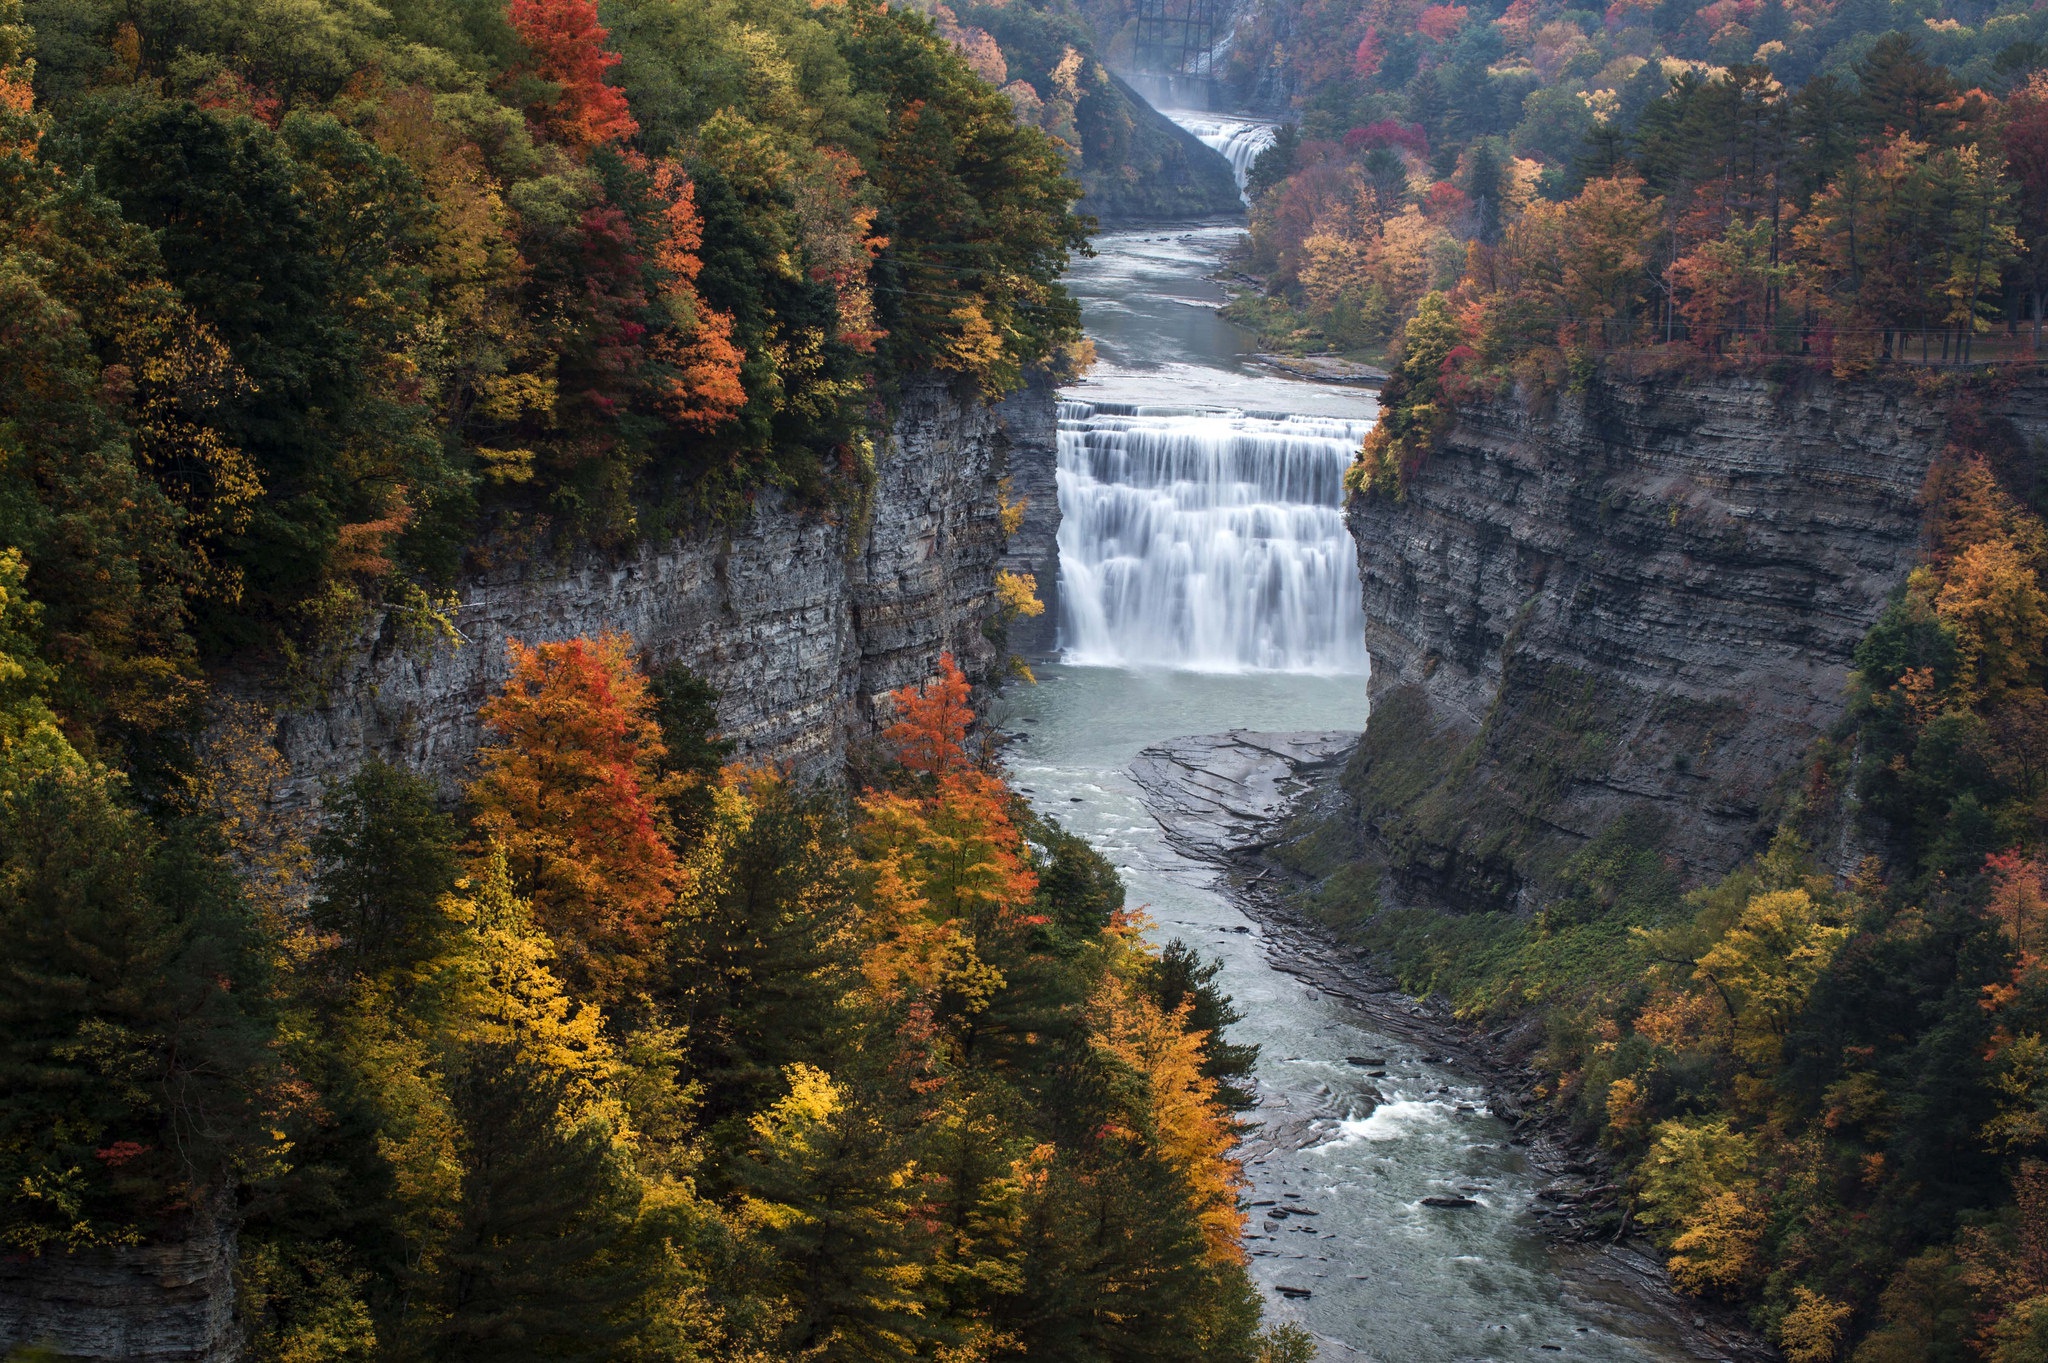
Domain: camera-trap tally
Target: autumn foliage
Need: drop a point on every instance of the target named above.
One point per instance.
(566, 47)
(703, 387)
(570, 791)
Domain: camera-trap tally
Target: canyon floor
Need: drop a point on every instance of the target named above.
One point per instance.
(1218, 798)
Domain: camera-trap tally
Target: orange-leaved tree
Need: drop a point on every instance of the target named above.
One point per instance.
(930, 732)
(571, 790)
(701, 388)
(566, 48)
(949, 870)
(1179, 1117)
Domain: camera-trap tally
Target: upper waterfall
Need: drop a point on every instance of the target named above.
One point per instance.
(1207, 539)
(1238, 140)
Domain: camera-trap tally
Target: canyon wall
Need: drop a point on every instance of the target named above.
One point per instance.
(1639, 601)
(1032, 419)
(1138, 166)
(802, 620)
(169, 1301)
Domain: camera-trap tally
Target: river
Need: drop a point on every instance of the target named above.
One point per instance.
(1204, 563)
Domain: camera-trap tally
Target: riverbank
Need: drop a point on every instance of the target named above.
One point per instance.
(1218, 798)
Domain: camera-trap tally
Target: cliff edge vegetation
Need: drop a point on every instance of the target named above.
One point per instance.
(636, 1057)
(311, 313)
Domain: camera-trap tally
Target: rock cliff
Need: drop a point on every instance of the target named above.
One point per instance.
(1638, 602)
(1032, 420)
(1138, 166)
(170, 1301)
(801, 620)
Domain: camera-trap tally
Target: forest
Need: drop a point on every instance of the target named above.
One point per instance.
(1754, 181)
(627, 1051)
(309, 311)
(1827, 1093)
(1825, 1088)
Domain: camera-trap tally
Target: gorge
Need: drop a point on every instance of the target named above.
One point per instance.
(655, 708)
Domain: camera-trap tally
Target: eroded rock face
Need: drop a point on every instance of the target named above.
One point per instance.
(1032, 419)
(1218, 795)
(1642, 602)
(167, 1302)
(802, 621)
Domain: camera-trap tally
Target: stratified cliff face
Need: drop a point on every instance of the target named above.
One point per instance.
(170, 1301)
(1641, 602)
(1032, 419)
(802, 622)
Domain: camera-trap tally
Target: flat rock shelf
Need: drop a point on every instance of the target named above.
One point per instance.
(1216, 795)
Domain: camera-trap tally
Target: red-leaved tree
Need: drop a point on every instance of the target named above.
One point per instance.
(566, 47)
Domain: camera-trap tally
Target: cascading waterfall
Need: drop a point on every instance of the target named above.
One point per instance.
(1239, 141)
(1207, 540)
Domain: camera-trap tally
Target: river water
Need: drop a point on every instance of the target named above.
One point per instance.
(1205, 442)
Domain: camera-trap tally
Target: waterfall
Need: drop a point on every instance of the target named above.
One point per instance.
(1238, 140)
(1207, 540)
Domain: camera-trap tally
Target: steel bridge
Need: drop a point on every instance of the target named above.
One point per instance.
(1177, 38)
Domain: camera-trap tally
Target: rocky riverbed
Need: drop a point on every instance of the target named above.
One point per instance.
(1218, 798)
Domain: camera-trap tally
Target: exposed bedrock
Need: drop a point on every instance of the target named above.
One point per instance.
(169, 1301)
(1032, 419)
(1218, 795)
(1641, 600)
(803, 621)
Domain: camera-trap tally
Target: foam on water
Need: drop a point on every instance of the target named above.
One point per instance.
(1401, 1119)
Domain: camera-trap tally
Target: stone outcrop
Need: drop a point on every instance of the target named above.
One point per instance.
(170, 1301)
(802, 620)
(1218, 795)
(1031, 417)
(1639, 602)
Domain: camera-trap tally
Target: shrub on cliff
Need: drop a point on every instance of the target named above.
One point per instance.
(1416, 404)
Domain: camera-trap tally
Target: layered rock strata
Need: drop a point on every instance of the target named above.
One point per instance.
(1219, 795)
(1638, 602)
(802, 620)
(1031, 418)
(170, 1301)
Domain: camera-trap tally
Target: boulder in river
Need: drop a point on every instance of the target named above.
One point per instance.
(1450, 1202)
